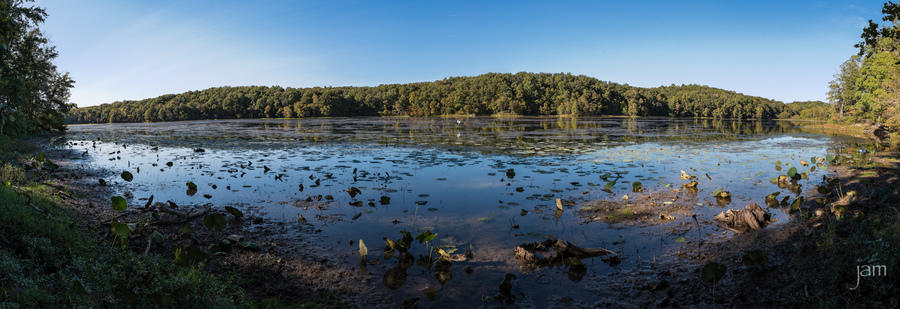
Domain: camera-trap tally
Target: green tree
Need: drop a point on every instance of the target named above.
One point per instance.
(867, 85)
(33, 94)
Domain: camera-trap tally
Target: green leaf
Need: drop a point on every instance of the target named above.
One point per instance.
(234, 211)
(426, 237)
(118, 203)
(719, 193)
(191, 185)
(712, 272)
(157, 236)
(637, 186)
(126, 175)
(215, 222)
(680, 239)
(792, 172)
(120, 230)
(795, 206)
(771, 199)
(609, 184)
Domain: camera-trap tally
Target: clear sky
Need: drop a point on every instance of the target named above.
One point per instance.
(116, 50)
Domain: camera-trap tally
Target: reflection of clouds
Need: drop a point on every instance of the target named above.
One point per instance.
(479, 185)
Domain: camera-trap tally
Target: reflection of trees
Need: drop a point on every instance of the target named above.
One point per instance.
(547, 134)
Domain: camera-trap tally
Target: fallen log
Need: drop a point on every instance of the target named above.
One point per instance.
(553, 251)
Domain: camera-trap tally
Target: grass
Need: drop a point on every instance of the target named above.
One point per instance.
(621, 215)
(48, 261)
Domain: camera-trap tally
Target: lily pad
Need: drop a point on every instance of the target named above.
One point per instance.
(118, 203)
(793, 173)
(637, 186)
(721, 194)
(426, 237)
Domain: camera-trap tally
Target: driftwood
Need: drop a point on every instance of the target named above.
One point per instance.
(182, 217)
(179, 216)
(557, 252)
(750, 218)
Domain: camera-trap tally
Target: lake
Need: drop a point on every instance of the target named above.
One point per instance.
(483, 185)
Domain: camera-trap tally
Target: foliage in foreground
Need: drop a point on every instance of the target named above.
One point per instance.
(864, 232)
(47, 261)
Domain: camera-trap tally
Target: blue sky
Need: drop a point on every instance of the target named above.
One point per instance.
(115, 50)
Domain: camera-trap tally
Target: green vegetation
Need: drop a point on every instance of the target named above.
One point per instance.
(816, 110)
(866, 89)
(33, 95)
(48, 260)
(487, 94)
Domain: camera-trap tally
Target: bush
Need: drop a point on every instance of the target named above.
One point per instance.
(47, 261)
(11, 173)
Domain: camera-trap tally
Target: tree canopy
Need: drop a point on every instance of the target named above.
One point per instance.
(866, 88)
(488, 94)
(33, 94)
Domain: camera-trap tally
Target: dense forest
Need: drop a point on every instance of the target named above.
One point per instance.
(867, 89)
(487, 94)
(816, 110)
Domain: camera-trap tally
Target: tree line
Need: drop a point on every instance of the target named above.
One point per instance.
(866, 88)
(488, 94)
